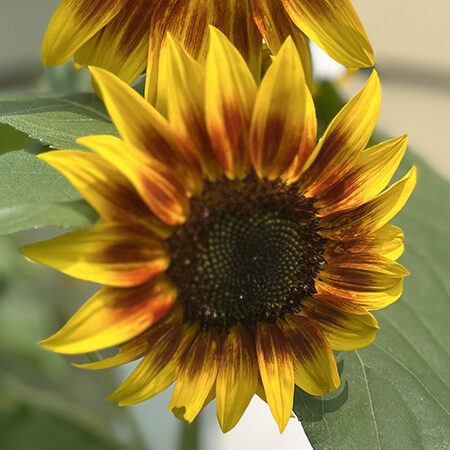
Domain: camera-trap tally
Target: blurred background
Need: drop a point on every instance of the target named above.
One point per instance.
(44, 401)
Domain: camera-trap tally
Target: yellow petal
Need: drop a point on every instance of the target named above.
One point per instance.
(140, 345)
(237, 378)
(283, 124)
(314, 364)
(372, 299)
(372, 171)
(179, 412)
(121, 47)
(108, 253)
(156, 183)
(276, 26)
(73, 23)
(125, 356)
(230, 95)
(197, 374)
(346, 136)
(142, 126)
(335, 27)
(232, 17)
(345, 330)
(158, 369)
(277, 371)
(181, 94)
(371, 281)
(239, 27)
(100, 183)
(113, 316)
(370, 216)
(387, 242)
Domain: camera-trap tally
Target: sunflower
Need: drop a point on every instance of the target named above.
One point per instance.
(115, 34)
(235, 250)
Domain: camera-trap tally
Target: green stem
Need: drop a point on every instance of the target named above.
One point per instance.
(190, 435)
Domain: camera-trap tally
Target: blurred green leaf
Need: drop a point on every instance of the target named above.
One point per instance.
(327, 102)
(40, 390)
(26, 428)
(396, 392)
(65, 78)
(11, 139)
(56, 120)
(139, 84)
(33, 195)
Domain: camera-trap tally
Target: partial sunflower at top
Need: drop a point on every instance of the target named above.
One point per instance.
(235, 251)
(115, 34)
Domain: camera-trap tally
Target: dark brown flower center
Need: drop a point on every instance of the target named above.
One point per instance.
(249, 252)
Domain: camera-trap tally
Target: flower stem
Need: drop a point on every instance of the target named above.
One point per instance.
(190, 435)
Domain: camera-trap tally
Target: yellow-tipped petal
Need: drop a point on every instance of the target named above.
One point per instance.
(119, 359)
(158, 369)
(276, 26)
(232, 17)
(346, 136)
(100, 183)
(230, 93)
(113, 316)
(344, 329)
(121, 47)
(387, 242)
(372, 281)
(277, 371)
(370, 216)
(178, 22)
(314, 364)
(181, 93)
(108, 253)
(140, 345)
(196, 376)
(335, 27)
(143, 126)
(157, 184)
(370, 174)
(283, 124)
(237, 378)
(74, 23)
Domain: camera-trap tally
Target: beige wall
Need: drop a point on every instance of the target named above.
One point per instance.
(411, 39)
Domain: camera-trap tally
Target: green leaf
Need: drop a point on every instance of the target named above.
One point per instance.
(139, 85)
(26, 428)
(11, 139)
(56, 120)
(396, 392)
(34, 195)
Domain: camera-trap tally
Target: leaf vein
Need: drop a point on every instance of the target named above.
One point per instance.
(369, 395)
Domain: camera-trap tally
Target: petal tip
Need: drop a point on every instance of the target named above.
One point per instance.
(48, 344)
(29, 251)
(282, 424)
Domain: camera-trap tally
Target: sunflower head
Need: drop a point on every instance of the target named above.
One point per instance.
(236, 251)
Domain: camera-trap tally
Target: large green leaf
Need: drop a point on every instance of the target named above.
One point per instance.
(55, 119)
(395, 393)
(33, 195)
